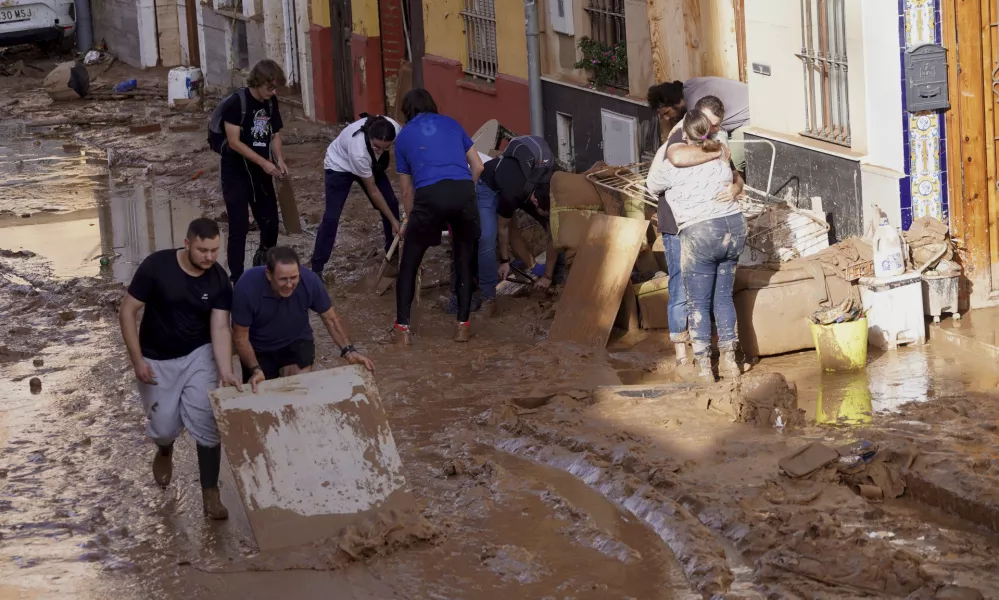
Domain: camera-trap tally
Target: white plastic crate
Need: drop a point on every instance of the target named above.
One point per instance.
(894, 308)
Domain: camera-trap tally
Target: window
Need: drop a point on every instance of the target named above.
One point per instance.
(607, 27)
(480, 38)
(240, 51)
(824, 67)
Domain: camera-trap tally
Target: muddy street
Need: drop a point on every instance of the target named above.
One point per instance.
(542, 470)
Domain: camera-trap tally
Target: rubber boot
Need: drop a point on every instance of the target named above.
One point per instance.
(703, 364)
(214, 509)
(163, 467)
(728, 367)
(463, 332)
(401, 335)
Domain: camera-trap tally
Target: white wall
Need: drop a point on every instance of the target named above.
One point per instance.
(778, 101)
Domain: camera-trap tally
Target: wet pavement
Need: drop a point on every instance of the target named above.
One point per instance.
(568, 497)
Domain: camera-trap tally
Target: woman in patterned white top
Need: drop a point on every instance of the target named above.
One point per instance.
(712, 234)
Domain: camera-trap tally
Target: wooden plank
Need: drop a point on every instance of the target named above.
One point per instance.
(656, 34)
(955, 183)
(600, 272)
(971, 99)
(740, 38)
(310, 455)
(289, 208)
(989, 47)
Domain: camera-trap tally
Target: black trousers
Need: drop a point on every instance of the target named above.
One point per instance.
(445, 203)
(246, 188)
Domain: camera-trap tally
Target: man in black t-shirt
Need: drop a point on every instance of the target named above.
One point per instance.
(181, 350)
(253, 146)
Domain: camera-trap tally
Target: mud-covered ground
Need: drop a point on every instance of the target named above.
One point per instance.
(537, 476)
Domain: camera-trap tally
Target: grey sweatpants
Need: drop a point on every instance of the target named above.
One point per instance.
(180, 398)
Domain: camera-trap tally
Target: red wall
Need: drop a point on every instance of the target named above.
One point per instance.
(472, 102)
(323, 93)
(369, 83)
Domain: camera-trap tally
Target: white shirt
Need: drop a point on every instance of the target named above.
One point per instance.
(349, 154)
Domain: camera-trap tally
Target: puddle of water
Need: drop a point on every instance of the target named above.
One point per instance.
(126, 227)
(50, 174)
(891, 379)
(78, 214)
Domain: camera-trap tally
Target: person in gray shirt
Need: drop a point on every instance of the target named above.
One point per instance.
(671, 99)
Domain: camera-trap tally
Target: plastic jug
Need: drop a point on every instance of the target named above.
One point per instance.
(888, 261)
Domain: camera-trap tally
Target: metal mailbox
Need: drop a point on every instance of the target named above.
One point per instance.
(926, 78)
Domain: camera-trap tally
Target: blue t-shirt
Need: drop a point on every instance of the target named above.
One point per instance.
(276, 322)
(432, 148)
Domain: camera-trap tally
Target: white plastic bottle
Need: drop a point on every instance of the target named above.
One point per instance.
(888, 261)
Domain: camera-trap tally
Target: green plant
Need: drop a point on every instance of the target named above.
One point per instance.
(608, 65)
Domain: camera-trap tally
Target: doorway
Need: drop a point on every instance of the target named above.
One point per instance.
(343, 76)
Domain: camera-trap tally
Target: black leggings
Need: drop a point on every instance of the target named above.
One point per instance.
(409, 266)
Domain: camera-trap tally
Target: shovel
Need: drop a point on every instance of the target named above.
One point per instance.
(385, 264)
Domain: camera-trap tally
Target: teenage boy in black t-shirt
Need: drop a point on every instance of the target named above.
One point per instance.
(248, 164)
(181, 350)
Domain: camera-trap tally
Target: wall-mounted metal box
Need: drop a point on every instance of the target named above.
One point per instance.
(926, 78)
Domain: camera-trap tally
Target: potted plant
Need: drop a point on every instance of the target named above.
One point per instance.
(607, 64)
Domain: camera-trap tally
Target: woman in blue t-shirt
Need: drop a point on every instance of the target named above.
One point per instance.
(437, 168)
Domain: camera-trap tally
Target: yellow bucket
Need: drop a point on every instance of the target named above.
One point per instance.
(841, 346)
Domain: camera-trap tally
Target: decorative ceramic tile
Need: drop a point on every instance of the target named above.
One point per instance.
(924, 131)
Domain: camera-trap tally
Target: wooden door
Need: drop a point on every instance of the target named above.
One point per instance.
(193, 44)
(343, 76)
(971, 149)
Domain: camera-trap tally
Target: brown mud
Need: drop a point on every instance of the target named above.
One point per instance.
(536, 474)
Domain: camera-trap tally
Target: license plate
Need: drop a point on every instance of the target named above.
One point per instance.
(8, 15)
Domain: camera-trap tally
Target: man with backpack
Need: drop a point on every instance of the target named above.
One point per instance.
(245, 130)
(519, 178)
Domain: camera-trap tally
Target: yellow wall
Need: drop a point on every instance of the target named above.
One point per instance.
(511, 38)
(445, 30)
(365, 16)
(320, 12)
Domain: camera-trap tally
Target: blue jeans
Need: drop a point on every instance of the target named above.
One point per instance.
(338, 186)
(710, 253)
(488, 267)
(677, 308)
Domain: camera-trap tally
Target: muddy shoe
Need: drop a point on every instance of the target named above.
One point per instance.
(401, 335)
(728, 367)
(704, 373)
(162, 468)
(463, 332)
(214, 509)
(684, 369)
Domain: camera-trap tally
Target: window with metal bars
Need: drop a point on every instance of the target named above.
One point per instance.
(480, 38)
(607, 27)
(824, 68)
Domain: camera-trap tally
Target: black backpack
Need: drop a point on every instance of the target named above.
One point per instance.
(217, 140)
(534, 157)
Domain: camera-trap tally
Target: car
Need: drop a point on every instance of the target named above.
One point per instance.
(50, 23)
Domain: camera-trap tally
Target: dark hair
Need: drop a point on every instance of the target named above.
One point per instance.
(713, 104)
(380, 128)
(668, 95)
(697, 128)
(417, 101)
(285, 255)
(202, 229)
(266, 72)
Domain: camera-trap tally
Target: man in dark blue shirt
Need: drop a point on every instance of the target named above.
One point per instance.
(270, 317)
